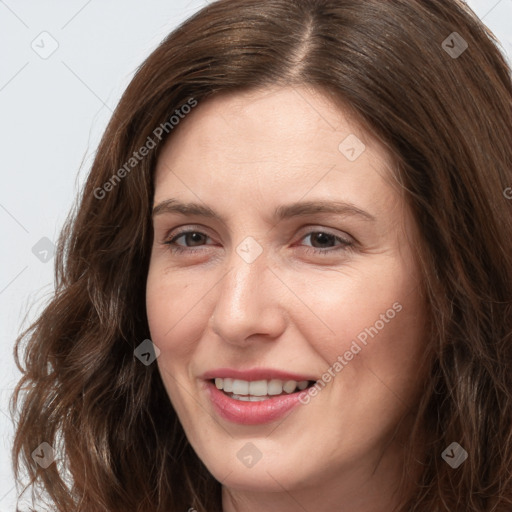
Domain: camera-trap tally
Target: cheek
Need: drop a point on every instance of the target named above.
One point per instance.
(173, 308)
(373, 319)
(342, 304)
(167, 318)
(394, 355)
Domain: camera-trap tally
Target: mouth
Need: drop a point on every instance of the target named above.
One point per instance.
(254, 402)
(259, 390)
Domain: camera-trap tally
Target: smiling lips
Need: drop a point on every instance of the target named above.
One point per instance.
(254, 396)
(258, 389)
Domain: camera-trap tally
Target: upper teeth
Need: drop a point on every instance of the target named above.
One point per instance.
(259, 387)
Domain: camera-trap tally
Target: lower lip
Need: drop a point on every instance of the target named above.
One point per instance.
(251, 413)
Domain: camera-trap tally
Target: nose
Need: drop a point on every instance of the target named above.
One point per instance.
(249, 305)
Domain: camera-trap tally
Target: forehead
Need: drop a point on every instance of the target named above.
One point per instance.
(297, 128)
(275, 145)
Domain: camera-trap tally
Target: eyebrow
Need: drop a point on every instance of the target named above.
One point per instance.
(280, 213)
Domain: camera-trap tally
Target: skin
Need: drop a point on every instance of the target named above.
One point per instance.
(243, 155)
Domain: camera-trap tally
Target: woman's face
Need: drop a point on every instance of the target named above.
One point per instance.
(297, 267)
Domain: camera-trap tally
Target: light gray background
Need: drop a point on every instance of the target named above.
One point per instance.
(53, 112)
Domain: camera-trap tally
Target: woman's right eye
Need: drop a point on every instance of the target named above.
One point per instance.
(190, 236)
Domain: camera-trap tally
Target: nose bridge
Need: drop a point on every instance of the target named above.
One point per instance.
(246, 302)
(243, 287)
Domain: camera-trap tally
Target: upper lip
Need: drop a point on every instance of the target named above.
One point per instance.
(255, 374)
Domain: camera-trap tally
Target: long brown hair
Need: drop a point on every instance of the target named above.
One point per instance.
(441, 104)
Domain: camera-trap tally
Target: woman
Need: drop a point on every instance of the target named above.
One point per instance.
(256, 369)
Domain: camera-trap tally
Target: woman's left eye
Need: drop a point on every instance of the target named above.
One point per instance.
(325, 237)
(319, 237)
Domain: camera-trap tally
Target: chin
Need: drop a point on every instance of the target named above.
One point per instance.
(271, 475)
(261, 481)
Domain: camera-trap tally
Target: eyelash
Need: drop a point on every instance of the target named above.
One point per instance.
(345, 244)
